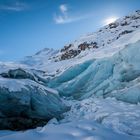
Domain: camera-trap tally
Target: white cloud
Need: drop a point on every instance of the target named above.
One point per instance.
(18, 6)
(63, 8)
(64, 17)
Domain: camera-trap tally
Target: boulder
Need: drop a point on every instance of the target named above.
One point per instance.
(83, 46)
(113, 25)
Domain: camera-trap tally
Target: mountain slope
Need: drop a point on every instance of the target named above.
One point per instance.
(102, 43)
(98, 76)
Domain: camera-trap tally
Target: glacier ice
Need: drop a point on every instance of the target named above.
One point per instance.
(25, 103)
(104, 77)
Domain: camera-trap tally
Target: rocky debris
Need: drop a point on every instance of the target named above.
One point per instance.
(94, 45)
(135, 17)
(70, 54)
(125, 23)
(113, 25)
(125, 32)
(86, 45)
(66, 48)
(83, 46)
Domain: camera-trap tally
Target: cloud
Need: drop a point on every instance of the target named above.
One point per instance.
(17, 6)
(64, 17)
(63, 8)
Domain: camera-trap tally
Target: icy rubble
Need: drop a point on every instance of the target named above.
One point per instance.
(24, 101)
(122, 117)
(89, 119)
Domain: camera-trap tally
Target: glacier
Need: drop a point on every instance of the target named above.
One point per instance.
(25, 102)
(115, 76)
(93, 95)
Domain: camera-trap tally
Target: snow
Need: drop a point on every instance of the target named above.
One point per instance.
(12, 84)
(123, 118)
(106, 38)
(5, 66)
(103, 77)
(90, 119)
(106, 82)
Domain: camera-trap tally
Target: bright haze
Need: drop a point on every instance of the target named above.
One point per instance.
(27, 26)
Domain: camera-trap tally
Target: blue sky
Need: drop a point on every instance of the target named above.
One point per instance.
(27, 26)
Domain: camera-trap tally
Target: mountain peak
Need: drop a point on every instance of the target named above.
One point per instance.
(106, 38)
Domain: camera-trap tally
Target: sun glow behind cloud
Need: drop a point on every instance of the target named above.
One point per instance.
(110, 20)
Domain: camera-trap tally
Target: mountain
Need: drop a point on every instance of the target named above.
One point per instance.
(103, 43)
(90, 89)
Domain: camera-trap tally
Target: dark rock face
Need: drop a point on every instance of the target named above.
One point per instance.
(71, 53)
(125, 23)
(124, 32)
(86, 45)
(66, 48)
(113, 25)
(94, 45)
(83, 46)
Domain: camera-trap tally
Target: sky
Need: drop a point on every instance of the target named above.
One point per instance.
(27, 26)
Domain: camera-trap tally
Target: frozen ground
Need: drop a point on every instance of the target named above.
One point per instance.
(90, 119)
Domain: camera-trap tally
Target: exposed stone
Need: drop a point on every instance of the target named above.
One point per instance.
(66, 48)
(70, 54)
(83, 46)
(125, 23)
(125, 32)
(94, 44)
(113, 25)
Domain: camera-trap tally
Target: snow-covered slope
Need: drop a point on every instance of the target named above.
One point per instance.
(91, 75)
(102, 43)
(116, 76)
(40, 58)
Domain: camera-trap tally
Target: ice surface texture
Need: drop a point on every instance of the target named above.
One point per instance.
(116, 76)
